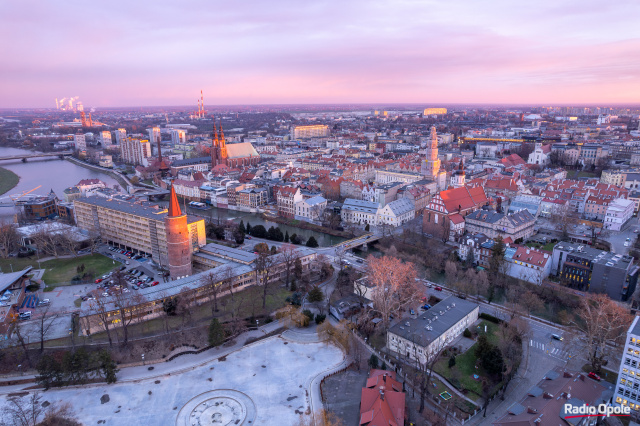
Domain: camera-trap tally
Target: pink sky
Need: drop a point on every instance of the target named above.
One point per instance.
(117, 53)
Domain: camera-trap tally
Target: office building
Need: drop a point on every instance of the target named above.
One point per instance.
(434, 111)
(313, 131)
(154, 135)
(588, 269)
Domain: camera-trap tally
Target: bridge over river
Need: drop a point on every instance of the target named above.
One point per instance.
(25, 156)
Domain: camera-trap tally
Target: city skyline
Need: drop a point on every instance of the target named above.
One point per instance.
(148, 54)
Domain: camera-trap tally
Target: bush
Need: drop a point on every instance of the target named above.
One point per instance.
(307, 313)
(452, 361)
(311, 242)
(268, 320)
(491, 318)
(373, 361)
(467, 333)
(320, 318)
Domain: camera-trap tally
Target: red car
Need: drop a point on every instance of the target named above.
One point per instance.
(438, 288)
(154, 283)
(594, 376)
(99, 280)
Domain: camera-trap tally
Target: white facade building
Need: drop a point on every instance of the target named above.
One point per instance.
(311, 209)
(178, 136)
(154, 135)
(135, 151)
(627, 390)
(397, 212)
(105, 139)
(313, 131)
(80, 141)
(420, 338)
(121, 135)
(619, 212)
(540, 155)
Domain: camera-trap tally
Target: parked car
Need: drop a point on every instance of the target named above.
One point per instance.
(438, 288)
(44, 302)
(99, 280)
(154, 283)
(426, 307)
(24, 315)
(594, 376)
(557, 337)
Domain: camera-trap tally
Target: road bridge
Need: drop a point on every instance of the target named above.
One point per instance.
(43, 155)
(359, 241)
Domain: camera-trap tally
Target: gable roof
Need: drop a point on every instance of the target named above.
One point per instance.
(465, 197)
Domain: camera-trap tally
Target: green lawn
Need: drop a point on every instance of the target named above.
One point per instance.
(8, 180)
(548, 247)
(17, 264)
(461, 375)
(61, 271)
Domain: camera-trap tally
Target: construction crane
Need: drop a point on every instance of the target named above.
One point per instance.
(14, 198)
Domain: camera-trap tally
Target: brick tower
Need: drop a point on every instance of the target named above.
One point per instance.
(178, 249)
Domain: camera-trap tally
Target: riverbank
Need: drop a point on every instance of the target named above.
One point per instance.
(123, 183)
(8, 180)
(309, 226)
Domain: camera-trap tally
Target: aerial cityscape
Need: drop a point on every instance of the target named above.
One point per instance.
(320, 214)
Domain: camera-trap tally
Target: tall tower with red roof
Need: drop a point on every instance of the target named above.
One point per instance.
(177, 232)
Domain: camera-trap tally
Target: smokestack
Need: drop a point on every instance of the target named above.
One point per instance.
(198, 108)
(57, 105)
(202, 102)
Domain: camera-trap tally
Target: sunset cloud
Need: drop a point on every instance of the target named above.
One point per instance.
(120, 53)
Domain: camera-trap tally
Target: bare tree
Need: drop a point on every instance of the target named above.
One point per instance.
(394, 286)
(8, 238)
(211, 281)
(288, 254)
(44, 325)
(129, 305)
(99, 308)
(24, 342)
(23, 411)
(603, 320)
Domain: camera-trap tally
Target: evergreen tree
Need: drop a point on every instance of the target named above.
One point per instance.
(315, 295)
(279, 236)
(241, 227)
(452, 361)
(373, 361)
(108, 366)
(297, 269)
(366, 228)
(248, 229)
(470, 258)
(383, 366)
(271, 234)
(274, 250)
(216, 333)
(311, 242)
(286, 236)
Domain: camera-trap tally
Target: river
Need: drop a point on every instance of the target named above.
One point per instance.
(59, 174)
(51, 174)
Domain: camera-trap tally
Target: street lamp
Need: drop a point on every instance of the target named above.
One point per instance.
(142, 359)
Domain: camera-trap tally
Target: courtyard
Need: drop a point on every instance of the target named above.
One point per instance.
(267, 382)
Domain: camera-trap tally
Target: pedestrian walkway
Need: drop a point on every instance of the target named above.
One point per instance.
(549, 349)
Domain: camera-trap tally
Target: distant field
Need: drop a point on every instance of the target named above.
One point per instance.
(8, 180)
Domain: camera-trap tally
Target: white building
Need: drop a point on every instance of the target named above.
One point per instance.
(135, 151)
(105, 139)
(154, 135)
(627, 392)
(80, 141)
(420, 338)
(121, 135)
(528, 264)
(619, 212)
(540, 154)
(360, 212)
(311, 209)
(397, 212)
(178, 136)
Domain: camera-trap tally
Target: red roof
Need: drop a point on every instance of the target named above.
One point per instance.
(381, 407)
(464, 198)
(512, 160)
(174, 206)
(456, 218)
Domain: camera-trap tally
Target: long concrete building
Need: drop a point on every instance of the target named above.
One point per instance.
(139, 227)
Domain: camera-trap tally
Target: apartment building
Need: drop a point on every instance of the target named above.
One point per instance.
(135, 151)
(252, 198)
(286, 198)
(627, 391)
(105, 139)
(515, 225)
(80, 141)
(139, 227)
(619, 213)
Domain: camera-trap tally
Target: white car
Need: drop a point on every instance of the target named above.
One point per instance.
(626, 244)
(44, 302)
